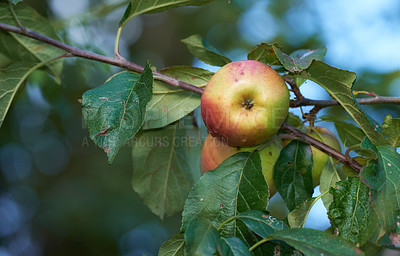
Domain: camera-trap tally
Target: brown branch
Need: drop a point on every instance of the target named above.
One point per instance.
(301, 101)
(328, 103)
(76, 52)
(323, 147)
(294, 88)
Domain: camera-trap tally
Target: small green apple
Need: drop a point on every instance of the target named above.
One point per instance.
(215, 151)
(245, 103)
(320, 158)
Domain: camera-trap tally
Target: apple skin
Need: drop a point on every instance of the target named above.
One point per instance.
(215, 151)
(320, 158)
(245, 103)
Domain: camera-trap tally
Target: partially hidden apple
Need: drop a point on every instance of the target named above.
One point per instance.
(320, 158)
(215, 151)
(245, 103)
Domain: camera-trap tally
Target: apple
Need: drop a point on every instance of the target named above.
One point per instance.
(215, 151)
(320, 158)
(245, 103)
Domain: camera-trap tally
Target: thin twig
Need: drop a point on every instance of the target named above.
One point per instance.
(323, 147)
(76, 52)
(328, 103)
(294, 88)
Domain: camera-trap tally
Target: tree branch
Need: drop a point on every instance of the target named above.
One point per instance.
(328, 103)
(294, 88)
(323, 147)
(76, 52)
(300, 101)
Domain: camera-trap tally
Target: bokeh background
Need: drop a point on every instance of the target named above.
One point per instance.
(58, 195)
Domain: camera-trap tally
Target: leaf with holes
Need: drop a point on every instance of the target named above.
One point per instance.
(351, 213)
(163, 167)
(169, 103)
(204, 51)
(22, 48)
(115, 111)
(293, 173)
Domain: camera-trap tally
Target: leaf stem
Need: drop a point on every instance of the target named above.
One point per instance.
(223, 223)
(116, 47)
(259, 243)
(16, 17)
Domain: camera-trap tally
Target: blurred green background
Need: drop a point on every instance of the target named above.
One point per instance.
(58, 195)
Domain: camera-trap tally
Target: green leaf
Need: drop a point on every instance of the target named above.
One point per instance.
(204, 51)
(330, 118)
(163, 167)
(236, 185)
(349, 134)
(260, 223)
(264, 53)
(22, 48)
(201, 238)
(137, 7)
(11, 79)
(233, 246)
(338, 83)
(115, 111)
(169, 103)
(307, 54)
(293, 120)
(297, 218)
(300, 59)
(293, 173)
(383, 178)
(351, 213)
(15, 1)
(315, 242)
(391, 130)
(173, 247)
(330, 175)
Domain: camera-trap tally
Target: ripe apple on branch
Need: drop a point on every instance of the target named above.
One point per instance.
(252, 150)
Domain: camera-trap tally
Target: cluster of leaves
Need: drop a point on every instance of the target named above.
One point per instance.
(224, 212)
